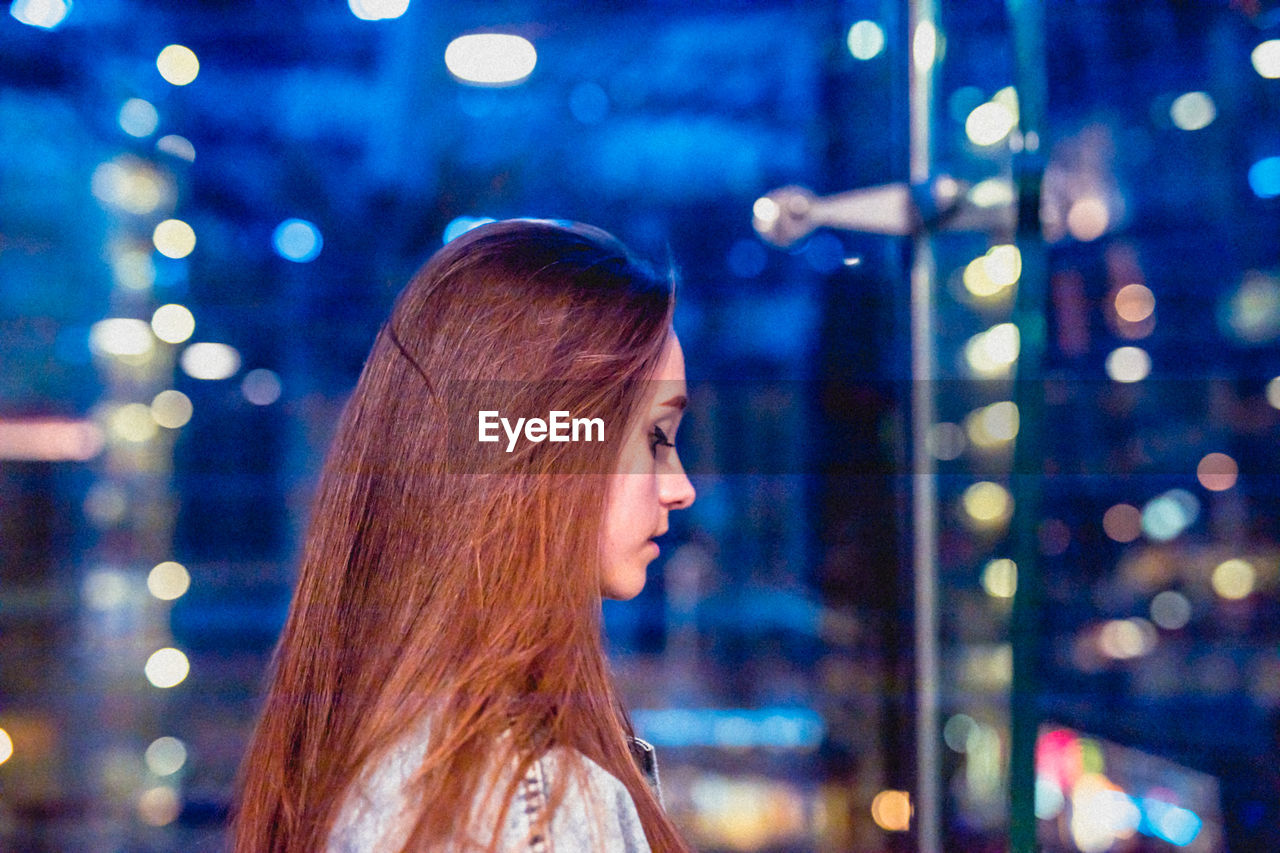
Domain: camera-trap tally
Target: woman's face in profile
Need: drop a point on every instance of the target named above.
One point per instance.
(649, 483)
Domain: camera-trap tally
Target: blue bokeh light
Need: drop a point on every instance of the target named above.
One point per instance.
(1264, 177)
(297, 240)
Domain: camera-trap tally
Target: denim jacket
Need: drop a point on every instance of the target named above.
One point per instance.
(597, 816)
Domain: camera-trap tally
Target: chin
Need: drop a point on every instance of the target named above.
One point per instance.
(626, 588)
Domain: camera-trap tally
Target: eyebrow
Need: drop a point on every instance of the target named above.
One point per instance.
(678, 402)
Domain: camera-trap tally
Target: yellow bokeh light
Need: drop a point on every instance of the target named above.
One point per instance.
(120, 336)
(6, 746)
(989, 124)
(174, 238)
(992, 353)
(133, 269)
(991, 273)
(1088, 218)
(158, 806)
(178, 64)
(1134, 303)
(172, 323)
(1234, 579)
(1217, 472)
(209, 361)
(1125, 639)
(129, 184)
(987, 503)
(167, 668)
(1273, 392)
(171, 409)
(133, 422)
(1000, 578)
(168, 580)
(891, 810)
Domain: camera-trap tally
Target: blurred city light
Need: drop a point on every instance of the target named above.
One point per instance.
(865, 40)
(924, 46)
(1170, 610)
(168, 580)
(1193, 111)
(1217, 472)
(1128, 364)
(989, 123)
(178, 64)
(50, 440)
(955, 732)
(174, 238)
(130, 184)
(45, 14)
(1122, 522)
(133, 268)
(993, 425)
(1251, 312)
(1088, 218)
(946, 441)
(159, 806)
(1165, 516)
(1124, 639)
(891, 810)
(490, 59)
(1266, 59)
(121, 336)
(378, 10)
(209, 361)
(167, 668)
(6, 746)
(781, 728)
(987, 504)
(261, 386)
(132, 422)
(104, 589)
(1264, 177)
(138, 118)
(1273, 392)
(992, 353)
(1000, 578)
(165, 756)
(173, 323)
(297, 240)
(1234, 579)
(177, 146)
(991, 273)
(1135, 303)
(171, 409)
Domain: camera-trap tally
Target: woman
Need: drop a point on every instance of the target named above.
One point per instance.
(440, 682)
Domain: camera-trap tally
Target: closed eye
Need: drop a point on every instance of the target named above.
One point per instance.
(657, 439)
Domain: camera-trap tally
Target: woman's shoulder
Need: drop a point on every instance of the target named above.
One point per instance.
(594, 812)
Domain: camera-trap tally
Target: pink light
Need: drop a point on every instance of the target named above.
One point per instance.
(50, 440)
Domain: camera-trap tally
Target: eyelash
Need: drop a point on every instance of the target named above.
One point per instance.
(657, 439)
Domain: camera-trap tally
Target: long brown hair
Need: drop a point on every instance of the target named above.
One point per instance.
(442, 581)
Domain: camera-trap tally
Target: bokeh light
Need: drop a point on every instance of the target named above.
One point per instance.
(1251, 312)
(1233, 579)
(121, 336)
(1134, 303)
(1170, 610)
(991, 273)
(173, 323)
(174, 238)
(1193, 111)
(1122, 523)
(987, 503)
(378, 10)
(1128, 364)
(924, 46)
(167, 668)
(1266, 59)
(178, 64)
(1273, 392)
(865, 40)
(490, 59)
(946, 441)
(159, 806)
(1167, 515)
(1217, 472)
(6, 746)
(1264, 177)
(177, 146)
(104, 589)
(129, 184)
(955, 732)
(891, 810)
(993, 425)
(1124, 639)
(261, 387)
(132, 422)
(297, 240)
(209, 361)
(989, 123)
(138, 118)
(1088, 218)
(992, 353)
(165, 756)
(45, 14)
(1000, 578)
(171, 409)
(133, 268)
(168, 580)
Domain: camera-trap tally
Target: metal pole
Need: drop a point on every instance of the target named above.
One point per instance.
(921, 22)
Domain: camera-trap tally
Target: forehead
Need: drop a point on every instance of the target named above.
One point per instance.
(671, 367)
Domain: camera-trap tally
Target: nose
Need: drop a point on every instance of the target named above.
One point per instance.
(675, 489)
